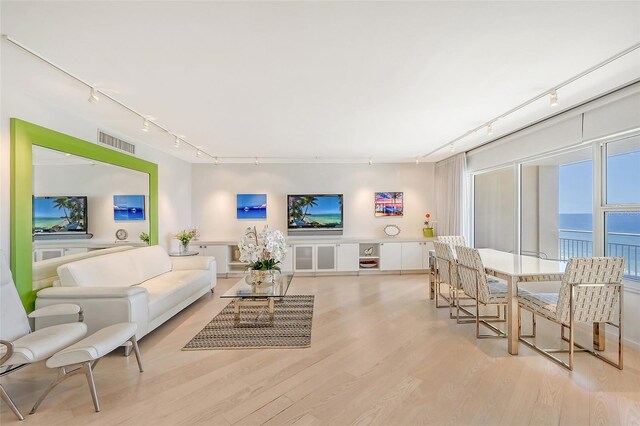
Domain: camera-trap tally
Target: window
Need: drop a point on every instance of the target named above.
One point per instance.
(494, 205)
(622, 207)
(557, 206)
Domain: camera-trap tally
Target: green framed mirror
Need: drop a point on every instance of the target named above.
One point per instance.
(24, 136)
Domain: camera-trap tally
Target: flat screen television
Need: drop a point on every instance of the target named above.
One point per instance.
(313, 214)
(63, 215)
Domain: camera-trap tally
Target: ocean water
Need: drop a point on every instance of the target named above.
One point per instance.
(252, 213)
(326, 219)
(623, 237)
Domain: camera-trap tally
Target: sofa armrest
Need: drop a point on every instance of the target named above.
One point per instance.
(89, 292)
(56, 310)
(192, 262)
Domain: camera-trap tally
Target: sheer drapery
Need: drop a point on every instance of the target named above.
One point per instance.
(451, 200)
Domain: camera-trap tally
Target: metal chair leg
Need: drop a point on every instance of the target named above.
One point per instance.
(7, 399)
(136, 350)
(88, 372)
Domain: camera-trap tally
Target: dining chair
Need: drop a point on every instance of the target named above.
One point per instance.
(591, 292)
(453, 240)
(446, 272)
(474, 283)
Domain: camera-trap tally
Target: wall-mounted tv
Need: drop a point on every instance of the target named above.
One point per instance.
(313, 214)
(64, 215)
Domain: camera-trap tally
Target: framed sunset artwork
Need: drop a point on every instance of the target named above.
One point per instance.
(389, 204)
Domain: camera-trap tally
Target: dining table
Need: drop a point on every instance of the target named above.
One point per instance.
(518, 268)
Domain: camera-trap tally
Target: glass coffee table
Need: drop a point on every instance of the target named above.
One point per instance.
(244, 294)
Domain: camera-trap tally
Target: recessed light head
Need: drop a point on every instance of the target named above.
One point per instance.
(553, 98)
(93, 96)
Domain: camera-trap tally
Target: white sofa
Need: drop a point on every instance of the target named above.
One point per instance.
(142, 285)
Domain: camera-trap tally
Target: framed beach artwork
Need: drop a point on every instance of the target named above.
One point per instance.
(128, 207)
(251, 206)
(389, 204)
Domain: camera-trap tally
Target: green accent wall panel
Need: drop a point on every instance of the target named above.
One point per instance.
(23, 136)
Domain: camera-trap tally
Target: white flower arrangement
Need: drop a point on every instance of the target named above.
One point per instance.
(262, 250)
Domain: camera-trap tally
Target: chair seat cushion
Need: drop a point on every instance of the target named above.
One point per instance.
(95, 346)
(498, 291)
(45, 342)
(544, 304)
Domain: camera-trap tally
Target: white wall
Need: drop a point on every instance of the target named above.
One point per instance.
(39, 105)
(99, 183)
(215, 189)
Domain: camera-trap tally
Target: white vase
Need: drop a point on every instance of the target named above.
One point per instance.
(259, 278)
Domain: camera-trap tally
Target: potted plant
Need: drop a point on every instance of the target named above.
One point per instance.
(145, 238)
(185, 238)
(427, 231)
(263, 251)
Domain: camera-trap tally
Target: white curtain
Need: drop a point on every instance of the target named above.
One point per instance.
(451, 196)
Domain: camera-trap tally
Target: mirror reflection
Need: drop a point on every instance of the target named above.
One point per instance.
(81, 205)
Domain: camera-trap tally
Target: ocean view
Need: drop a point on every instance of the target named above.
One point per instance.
(623, 237)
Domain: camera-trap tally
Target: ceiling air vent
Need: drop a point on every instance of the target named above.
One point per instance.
(116, 143)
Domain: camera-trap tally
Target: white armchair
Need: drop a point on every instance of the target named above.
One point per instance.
(19, 346)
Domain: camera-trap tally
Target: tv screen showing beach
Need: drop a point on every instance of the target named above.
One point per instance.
(315, 211)
(59, 215)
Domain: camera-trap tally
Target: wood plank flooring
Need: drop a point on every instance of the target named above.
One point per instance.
(380, 354)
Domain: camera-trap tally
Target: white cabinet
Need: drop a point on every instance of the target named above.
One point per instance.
(220, 252)
(347, 257)
(415, 255)
(304, 258)
(390, 256)
(286, 265)
(325, 257)
(411, 256)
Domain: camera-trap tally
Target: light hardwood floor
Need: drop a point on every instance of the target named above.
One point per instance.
(380, 354)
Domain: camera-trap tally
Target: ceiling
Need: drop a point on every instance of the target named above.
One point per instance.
(316, 81)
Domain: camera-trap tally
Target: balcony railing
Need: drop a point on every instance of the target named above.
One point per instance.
(573, 247)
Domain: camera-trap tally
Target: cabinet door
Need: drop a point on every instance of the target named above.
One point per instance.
(411, 256)
(390, 256)
(325, 257)
(286, 265)
(303, 259)
(347, 257)
(220, 252)
(427, 247)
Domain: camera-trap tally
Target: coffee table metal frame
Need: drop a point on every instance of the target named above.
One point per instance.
(244, 294)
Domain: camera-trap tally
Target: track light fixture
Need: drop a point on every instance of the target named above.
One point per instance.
(93, 96)
(417, 161)
(198, 153)
(452, 148)
(370, 162)
(145, 125)
(553, 98)
(256, 162)
(490, 129)
(215, 161)
(176, 144)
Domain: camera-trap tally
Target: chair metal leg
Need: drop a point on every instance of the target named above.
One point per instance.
(63, 375)
(136, 350)
(7, 399)
(127, 350)
(88, 372)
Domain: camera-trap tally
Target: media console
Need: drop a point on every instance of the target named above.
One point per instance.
(331, 256)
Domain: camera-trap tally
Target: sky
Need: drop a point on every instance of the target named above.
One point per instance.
(623, 183)
(326, 205)
(251, 200)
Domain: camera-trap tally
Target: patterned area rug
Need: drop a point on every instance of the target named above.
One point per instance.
(291, 327)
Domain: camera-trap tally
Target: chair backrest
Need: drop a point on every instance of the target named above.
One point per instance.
(13, 318)
(446, 263)
(453, 240)
(470, 269)
(591, 304)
